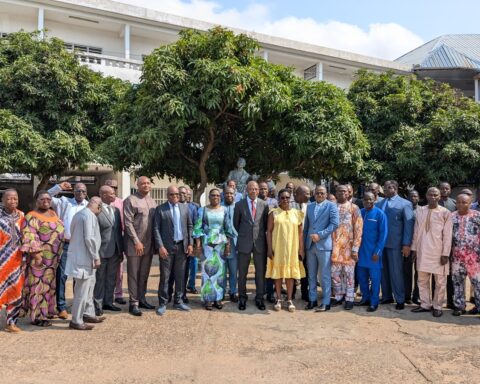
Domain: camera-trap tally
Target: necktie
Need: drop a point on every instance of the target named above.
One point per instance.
(175, 226)
(385, 206)
(254, 210)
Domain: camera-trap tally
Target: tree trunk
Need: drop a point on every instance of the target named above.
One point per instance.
(202, 164)
(43, 183)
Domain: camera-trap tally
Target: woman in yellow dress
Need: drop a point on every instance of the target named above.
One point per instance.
(285, 248)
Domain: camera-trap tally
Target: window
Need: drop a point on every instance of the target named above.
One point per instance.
(157, 194)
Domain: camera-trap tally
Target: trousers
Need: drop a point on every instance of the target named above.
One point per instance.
(83, 299)
(426, 301)
(343, 280)
(369, 280)
(319, 267)
(138, 269)
(105, 281)
(260, 263)
(393, 286)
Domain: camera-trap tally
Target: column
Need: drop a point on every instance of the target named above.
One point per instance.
(319, 71)
(265, 55)
(126, 35)
(124, 185)
(477, 91)
(41, 21)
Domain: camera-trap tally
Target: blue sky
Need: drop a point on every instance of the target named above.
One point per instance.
(385, 29)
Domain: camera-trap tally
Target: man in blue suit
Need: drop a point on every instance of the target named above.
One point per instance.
(320, 222)
(400, 220)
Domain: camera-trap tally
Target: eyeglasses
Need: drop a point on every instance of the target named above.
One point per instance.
(174, 194)
(320, 193)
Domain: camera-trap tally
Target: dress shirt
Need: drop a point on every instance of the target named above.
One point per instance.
(318, 206)
(177, 224)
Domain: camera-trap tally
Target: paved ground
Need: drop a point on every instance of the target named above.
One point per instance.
(258, 347)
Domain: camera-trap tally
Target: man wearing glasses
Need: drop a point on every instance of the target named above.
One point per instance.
(66, 208)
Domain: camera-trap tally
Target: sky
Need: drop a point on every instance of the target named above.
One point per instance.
(385, 29)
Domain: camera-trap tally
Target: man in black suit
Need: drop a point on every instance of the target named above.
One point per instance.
(111, 252)
(250, 221)
(172, 233)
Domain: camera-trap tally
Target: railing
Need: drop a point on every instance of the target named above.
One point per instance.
(157, 194)
(109, 61)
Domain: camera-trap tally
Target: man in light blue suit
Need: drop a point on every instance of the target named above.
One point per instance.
(401, 221)
(320, 222)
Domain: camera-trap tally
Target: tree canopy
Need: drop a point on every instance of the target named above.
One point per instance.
(208, 99)
(54, 110)
(420, 131)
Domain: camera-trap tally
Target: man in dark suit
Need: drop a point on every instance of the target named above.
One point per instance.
(111, 252)
(250, 221)
(400, 220)
(172, 233)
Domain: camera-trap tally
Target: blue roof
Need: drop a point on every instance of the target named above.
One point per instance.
(447, 51)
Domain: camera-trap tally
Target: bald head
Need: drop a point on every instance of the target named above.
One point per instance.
(80, 192)
(173, 195)
(302, 194)
(107, 194)
(144, 185)
(463, 203)
(95, 205)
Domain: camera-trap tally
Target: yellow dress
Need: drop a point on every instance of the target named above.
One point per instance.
(285, 242)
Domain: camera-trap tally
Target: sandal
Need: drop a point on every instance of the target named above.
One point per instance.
(291, 307)
(278, 305)
(208, 306)
(218, 304)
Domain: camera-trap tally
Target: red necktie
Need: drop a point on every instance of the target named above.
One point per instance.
(254, 210)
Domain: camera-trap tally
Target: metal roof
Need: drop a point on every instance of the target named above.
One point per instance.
(447, 51)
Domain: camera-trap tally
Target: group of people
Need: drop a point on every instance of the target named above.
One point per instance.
(335, 241)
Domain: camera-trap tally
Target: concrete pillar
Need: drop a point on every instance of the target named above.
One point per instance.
(126, 36)
(124, 184)
(319, 71)
(477, 91)
(41, 21)
(265, 55)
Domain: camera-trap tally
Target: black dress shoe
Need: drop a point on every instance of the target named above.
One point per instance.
(409, 302)
(336, 302)
(458, 312)
(120, 300)
(192, 290)
(185, 299)
(271, 298)
(242, 304)
(416, 301)
(322, 308)
(437, 313)
(387, 301)
(371, 308)
(260, 305)
(362, 303)
(135, 311)
(473, 311)
(98, 312)
(112, 307)
(400, 306)
(420, 310)
(311, 305)
(233, 298)
(348, 305)
(145, 305)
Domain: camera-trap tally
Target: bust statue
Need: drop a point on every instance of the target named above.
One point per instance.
(240, 176)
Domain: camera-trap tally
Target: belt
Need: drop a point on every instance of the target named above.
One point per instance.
(178, 242)
(66, 241)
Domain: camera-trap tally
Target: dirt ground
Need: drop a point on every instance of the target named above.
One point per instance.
(252, 346)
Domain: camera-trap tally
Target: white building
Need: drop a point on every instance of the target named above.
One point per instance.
(115, 37)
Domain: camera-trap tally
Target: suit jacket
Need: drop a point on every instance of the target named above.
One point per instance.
(84, 245)
(251, 233)
(400, 221)
(163, 226)
(324, 225)
(138, 219)
(110, 232)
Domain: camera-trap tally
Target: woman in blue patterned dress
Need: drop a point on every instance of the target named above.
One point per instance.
(211, 231)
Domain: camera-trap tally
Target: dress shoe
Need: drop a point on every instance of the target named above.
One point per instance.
(311, 305)
(98, 312)
(135, 311)
(233, 298)
(260, 305)
(12, 328)
(348, 305)
(437, 313)
(362, 303)
(218, 304)
(145, 305)
(271, 298)
(322, 308)
(458, 312)
(185, 299)
(120, 300)
(473, 311)
(400, 306)
(409, 302)
(108, 307)
(192, 290)
(181, 307)
(161, 310)
(336, 302)
(80, 327)
(242, 304)
(93, 320)
(63, 315)
(420, 310)
(372, 308)
(387, 301)
(416, 301)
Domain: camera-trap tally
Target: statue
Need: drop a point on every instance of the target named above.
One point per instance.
(240, 176)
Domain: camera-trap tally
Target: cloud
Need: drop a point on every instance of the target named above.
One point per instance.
(383, 40)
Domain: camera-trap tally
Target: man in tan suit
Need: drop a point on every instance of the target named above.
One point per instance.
(138, 210)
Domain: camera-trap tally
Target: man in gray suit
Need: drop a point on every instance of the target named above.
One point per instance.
(250, 221)
(82, 260)
(111, 252)
(172, 233)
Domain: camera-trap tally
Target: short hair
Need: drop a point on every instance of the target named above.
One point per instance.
(393, 182)
(283, 190)
(433, 189)
(41, 192)
(411, 192)
(213, 189)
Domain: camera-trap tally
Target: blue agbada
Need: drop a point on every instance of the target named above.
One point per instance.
(374, 236)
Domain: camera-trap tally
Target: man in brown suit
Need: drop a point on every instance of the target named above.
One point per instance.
(138, 210)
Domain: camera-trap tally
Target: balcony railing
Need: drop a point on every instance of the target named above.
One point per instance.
(109, 61)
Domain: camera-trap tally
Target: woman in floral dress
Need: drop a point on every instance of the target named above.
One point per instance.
(42, 243)
(211, 232)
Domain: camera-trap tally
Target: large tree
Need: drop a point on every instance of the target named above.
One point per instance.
(56, 111)
(421, 132)
(208, 99)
